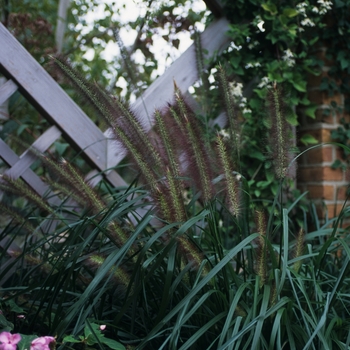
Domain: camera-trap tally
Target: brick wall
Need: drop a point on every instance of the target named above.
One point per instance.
(315, 174)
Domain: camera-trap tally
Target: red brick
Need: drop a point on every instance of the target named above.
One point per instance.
(318, 173)
(330, 174)
(322, 98)
(339, 153)
(321, 55)
(331, 210)
(343, 115)
(319, 155)
(341, 192)
(347, 175)
(325, 115)
(334, 209)
(321, 192)
(321, 134)
(315, 80)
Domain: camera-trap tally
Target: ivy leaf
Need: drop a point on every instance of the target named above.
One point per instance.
(274, 188)
(292, 31)
(235, 61)
(308, 139)
(289, 12)
(257, 155)
(270, 176)
(299, 85)
(292, 119)
(314, 40)
(270, 8)
(61, 147)
(310, 111)
(337, 164)
(344, 61)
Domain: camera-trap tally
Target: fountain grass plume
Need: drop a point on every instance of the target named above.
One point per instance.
(190, 251)
(172, 171)
(280, 138)
(17, 217)
(125, 126)
(72, 184)
(118, 275)
(199, 168)
(262, 246)
(231, 183)
(78, 184)
(19, 188)
(231, 112)
(299, 249)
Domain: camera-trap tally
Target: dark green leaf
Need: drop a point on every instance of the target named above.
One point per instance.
(308, 139)
(113, 344)
(270, 8)
(289, 12)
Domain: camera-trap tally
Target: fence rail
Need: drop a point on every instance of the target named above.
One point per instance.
(38, 87)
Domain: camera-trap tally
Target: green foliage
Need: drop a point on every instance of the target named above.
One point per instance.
(201, 251)
(175, 260)
(285, 43)
(93, 335)
(342, 135)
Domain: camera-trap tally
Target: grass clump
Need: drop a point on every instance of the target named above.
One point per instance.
(183, 258)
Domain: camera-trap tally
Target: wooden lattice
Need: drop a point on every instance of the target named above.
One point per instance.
(68, 120)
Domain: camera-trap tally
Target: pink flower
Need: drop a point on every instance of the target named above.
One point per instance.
(9, 341)
(41, 343)
(102, 327)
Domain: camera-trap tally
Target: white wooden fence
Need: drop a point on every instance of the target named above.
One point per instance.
(27, 76)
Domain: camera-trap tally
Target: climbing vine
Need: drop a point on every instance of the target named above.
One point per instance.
(285, 42)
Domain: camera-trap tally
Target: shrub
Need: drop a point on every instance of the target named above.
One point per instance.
(183, 258)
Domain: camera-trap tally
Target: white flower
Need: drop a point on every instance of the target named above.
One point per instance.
(260, 25)
(288, 58)
(301, 8)
(288, 54)
(265, 81)
(243, 102)
(246, 110)
(224, 134)
(236, 89)
(315, 9)
(290, 62)
(252, 65)
(302, 5)
(325, 4)
(306, 22)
